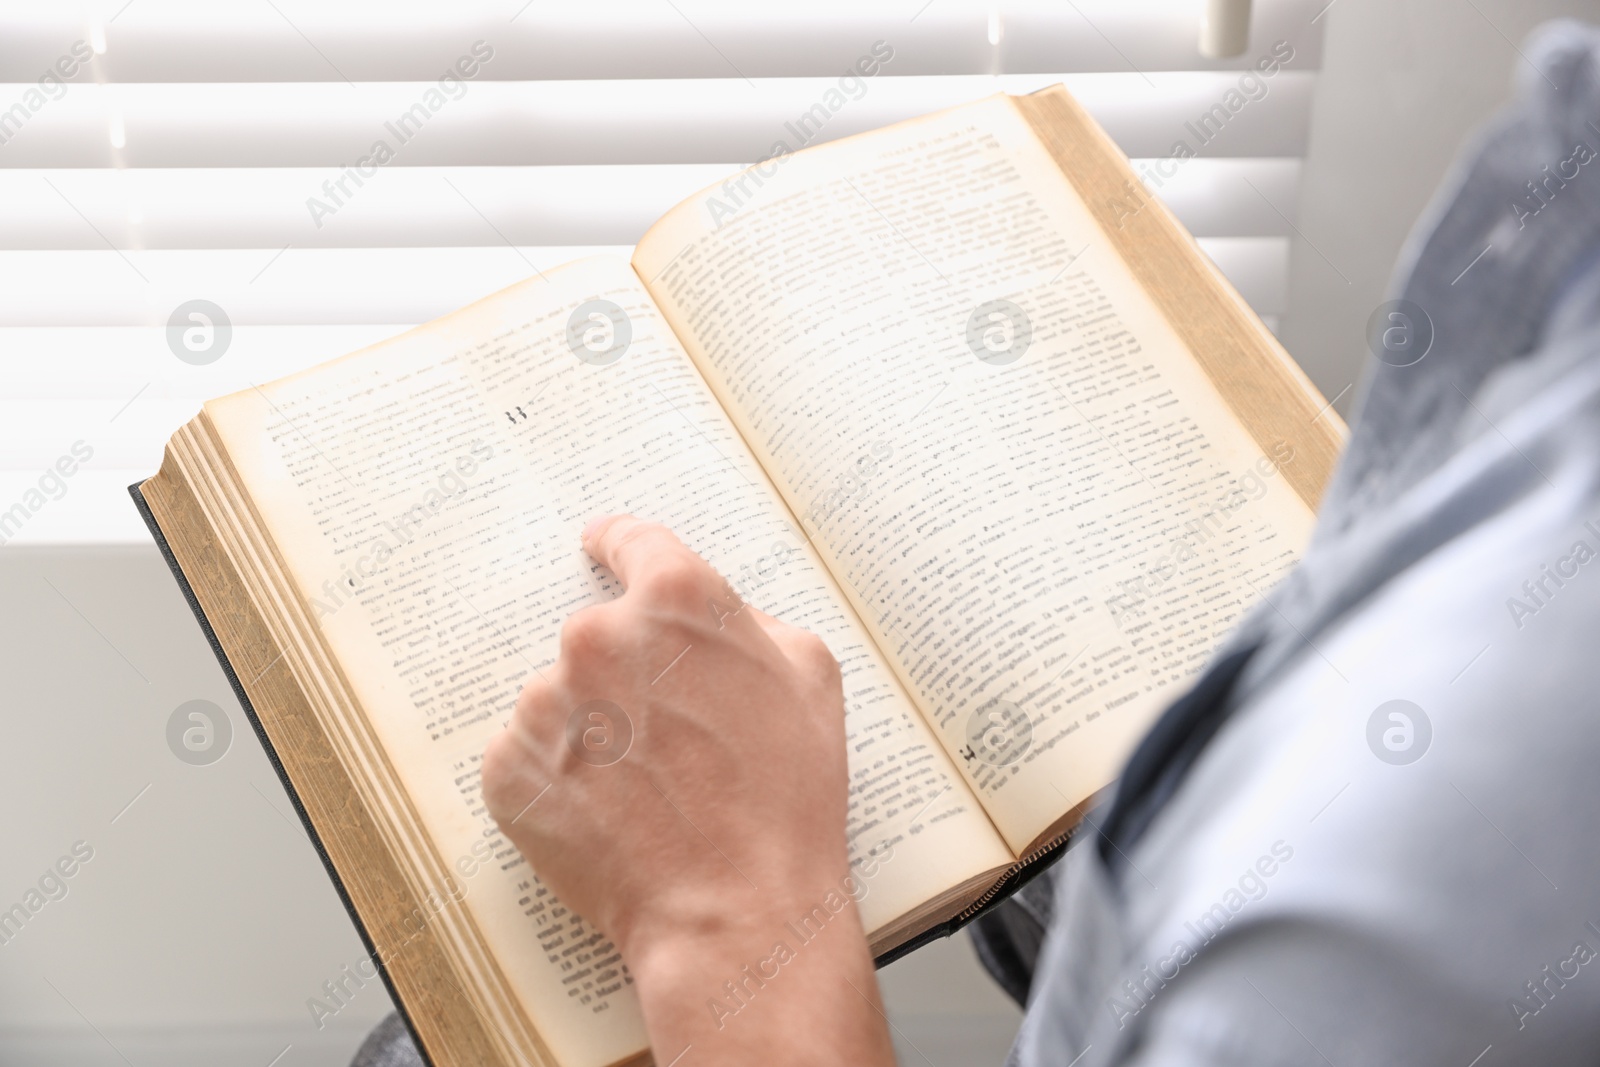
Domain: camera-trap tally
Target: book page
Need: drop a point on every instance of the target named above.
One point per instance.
(1039, 503)
(427, 495)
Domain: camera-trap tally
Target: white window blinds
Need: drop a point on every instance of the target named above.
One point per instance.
(204, 151)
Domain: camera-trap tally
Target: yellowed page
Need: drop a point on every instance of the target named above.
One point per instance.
(1040, 505)
(427, 495)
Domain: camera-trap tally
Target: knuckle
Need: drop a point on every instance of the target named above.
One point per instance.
(500, 772)
(638, 533)
(531, 718)
(524, 716)
(820, 657)
(585, 635)
(677, 580)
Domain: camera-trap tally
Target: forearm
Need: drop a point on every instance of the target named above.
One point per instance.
(771, 988)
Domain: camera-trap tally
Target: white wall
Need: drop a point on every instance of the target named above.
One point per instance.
(204, 909)
(1402, 83)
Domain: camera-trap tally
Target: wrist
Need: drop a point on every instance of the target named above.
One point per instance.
(666, 945)
(731, 915)
(791, 975)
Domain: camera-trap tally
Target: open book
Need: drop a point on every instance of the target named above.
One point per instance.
(1018, 453)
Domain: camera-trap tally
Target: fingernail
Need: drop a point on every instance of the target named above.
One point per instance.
(594, 527)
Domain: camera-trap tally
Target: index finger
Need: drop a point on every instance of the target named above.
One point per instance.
(633, 548)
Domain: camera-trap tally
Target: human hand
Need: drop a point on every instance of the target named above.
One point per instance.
(692, 841)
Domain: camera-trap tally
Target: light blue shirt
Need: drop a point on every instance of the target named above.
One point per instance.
(1388, 853)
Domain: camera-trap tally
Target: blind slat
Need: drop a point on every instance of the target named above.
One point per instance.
(170, 40)
(331, 124)
(245, 207)
(112, 363)
(361, 285)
